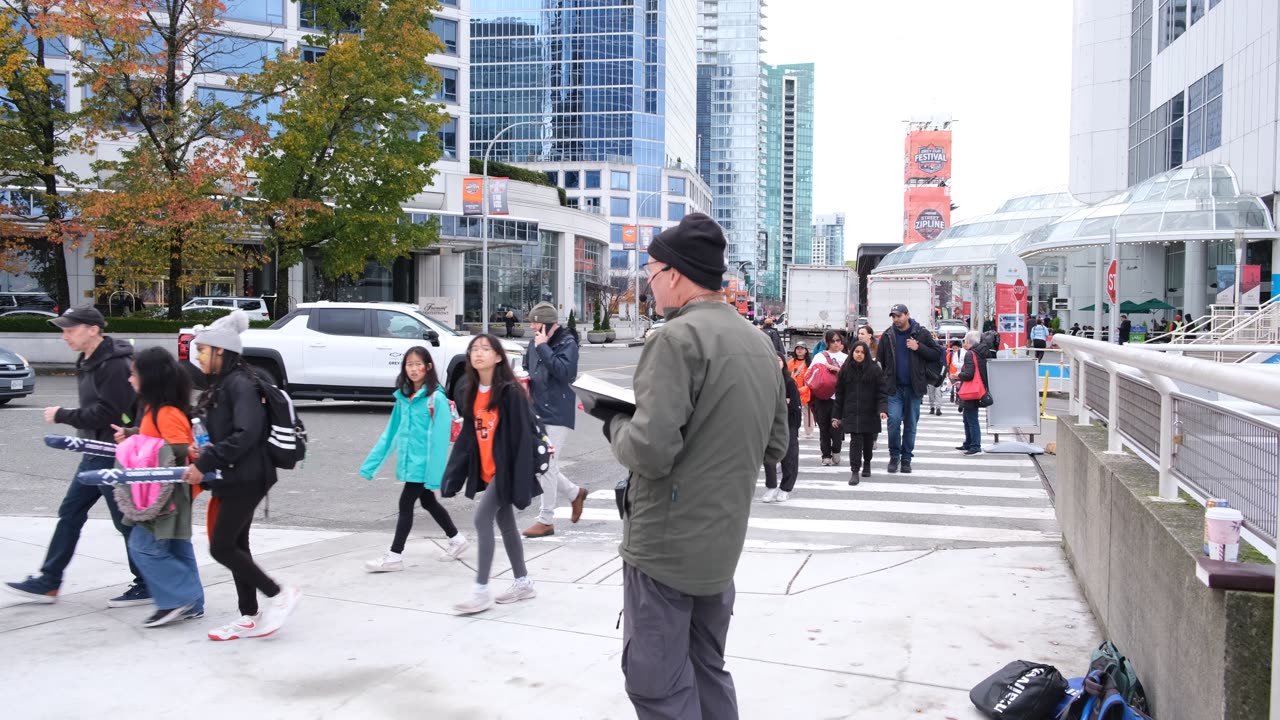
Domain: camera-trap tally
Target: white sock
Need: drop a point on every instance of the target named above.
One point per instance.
(393, 555)
(458, 539)
(524, 580)
(482, 588)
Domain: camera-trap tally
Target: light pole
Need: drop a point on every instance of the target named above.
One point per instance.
(484, 223)
(635, 277)
(742, 266)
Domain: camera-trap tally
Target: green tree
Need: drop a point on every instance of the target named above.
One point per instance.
(35, 140)
(168, 205)
(357, 137)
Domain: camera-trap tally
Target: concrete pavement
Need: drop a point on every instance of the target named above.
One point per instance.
(815, 634)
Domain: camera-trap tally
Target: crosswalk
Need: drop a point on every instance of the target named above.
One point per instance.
(949, 500)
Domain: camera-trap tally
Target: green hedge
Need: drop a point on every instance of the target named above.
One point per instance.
(118, 325)
(533, 177)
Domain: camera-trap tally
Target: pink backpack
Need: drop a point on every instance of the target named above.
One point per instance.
(141, 502)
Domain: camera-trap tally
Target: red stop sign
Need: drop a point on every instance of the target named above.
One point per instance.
(1019, 291)
(1111, 282)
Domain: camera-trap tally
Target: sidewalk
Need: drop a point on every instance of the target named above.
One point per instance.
(850, 634)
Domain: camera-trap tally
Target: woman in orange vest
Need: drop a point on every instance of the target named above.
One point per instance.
(798, 365)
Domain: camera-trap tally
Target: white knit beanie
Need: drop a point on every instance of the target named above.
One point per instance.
(224, 332)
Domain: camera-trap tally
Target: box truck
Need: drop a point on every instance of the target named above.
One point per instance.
(820, 298)
(885, 291)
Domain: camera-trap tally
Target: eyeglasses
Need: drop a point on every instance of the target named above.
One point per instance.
(654, 275)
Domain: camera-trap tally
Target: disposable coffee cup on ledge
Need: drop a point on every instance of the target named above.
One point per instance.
(1210, 503)
(1223, 525)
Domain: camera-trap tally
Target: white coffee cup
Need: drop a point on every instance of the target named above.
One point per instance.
(1223, 524)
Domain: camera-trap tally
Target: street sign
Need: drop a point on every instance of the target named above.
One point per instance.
(1019, 291)
(1111, 282)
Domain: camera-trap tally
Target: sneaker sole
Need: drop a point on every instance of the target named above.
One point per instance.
(128, 603)
(383, 570)
(505, 601)
(472, 611)
(174, 615)
(31, 597)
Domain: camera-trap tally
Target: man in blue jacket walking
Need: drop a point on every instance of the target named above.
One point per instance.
(552, 364)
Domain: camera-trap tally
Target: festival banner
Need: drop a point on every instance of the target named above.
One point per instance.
(928, 155)
(472, 196)
(1250, 284)
(646, 237)
(498, 196)
(928, 213)
(628, 237)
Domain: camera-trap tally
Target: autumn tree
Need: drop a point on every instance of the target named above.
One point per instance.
(168, 206)
(35, 141)
(354, 139)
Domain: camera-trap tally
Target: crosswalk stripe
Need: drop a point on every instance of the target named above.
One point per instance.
(923, 472)
(869, 486)
(1001, 512)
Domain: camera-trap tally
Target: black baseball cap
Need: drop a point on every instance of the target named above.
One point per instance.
(898, 309)
(82, 315)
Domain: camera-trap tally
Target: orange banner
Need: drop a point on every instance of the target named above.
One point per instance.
(472, 196)
(928, 154)
(629, 237)
(928, 213)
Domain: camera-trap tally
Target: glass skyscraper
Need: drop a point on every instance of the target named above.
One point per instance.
(828, 239)
(788, 176)
(730, 104)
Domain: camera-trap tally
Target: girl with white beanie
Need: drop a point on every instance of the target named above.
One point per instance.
(236, 420)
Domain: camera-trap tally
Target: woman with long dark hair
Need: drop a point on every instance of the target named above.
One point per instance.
(494, 456)
(829, 362)
(861, 403)
(236, 421)
(160, 542)
(419, 432)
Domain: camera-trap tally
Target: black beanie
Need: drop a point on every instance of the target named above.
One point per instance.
(695, 247)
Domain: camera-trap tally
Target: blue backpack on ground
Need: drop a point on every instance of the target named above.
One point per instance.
(1110, 691)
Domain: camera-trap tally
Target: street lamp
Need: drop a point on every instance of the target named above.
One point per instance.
(484, 223)
(635, 278)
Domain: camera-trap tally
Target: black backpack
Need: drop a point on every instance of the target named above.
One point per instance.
(286, 435)
(1020, 690)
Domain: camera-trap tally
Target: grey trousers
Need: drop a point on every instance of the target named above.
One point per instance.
(488, 510)
(673, 651)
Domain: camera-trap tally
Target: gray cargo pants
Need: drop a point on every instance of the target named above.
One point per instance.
(673, 651)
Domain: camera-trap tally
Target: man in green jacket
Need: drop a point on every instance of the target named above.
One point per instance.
(711, 409)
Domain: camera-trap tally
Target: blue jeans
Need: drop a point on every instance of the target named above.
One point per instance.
(904, 415)
(170, 569)
(72, 514)
(972, 430)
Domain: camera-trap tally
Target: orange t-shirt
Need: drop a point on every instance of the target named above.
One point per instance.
(486, 424)
(797, 368)
(174, 428)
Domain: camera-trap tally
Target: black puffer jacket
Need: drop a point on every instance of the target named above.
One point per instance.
(106, 397)
(237, 423)
(514, 481)
(860, 398)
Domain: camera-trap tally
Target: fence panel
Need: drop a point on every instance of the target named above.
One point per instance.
(1139, 414)
(1097, 387)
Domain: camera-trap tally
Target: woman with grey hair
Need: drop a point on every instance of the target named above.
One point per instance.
(975, 363)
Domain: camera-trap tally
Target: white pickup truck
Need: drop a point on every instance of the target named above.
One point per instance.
(349, 350)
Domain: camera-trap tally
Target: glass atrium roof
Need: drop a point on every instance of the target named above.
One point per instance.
(1200, 203)
(976, 242)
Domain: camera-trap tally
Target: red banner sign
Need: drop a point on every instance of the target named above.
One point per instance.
(928, 213)
(629, 237)
(928, 154)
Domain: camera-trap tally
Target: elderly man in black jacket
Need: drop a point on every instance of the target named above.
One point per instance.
(106, 399)
(552, 364)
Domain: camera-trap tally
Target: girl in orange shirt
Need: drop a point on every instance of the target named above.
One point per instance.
(797, 366)
(494, 456)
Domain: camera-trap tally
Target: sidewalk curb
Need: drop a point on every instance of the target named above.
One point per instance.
(54, 368)
(612, 345)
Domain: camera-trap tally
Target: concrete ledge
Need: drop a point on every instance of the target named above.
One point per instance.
(47, 348)
(1200, 653)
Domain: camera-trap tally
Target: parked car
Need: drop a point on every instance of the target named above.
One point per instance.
(28, 301)
(948, 331)
(654, 327)
(28, 313)
(349, 350)
(17, 377)
(255, 307)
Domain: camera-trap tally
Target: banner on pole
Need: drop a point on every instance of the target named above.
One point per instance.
(498, 196)
(472, 196)
(629, 237)
(646, 237)
(1011, 300)
(928, 213)
(1250, 284)
(928, 155)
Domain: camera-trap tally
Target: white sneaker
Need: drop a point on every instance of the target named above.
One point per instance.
(782, 496)
(391, 562)
(521, 589)
(457, 544)
(770, 495)
(281, 608)
(246, 627)
(479, 601)
(835, 458)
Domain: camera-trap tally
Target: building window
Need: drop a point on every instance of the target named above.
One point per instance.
(592, 180)
(675, 186)
(260, 112)
(591, 202)
(1173, 21)
(675, 211)
(571, 179)
(448, 90)
(449, 139)
(311, 54)
(620, 206)
(553, 177)
(620, 259)
(573, 202)
(447, 31)
(1204, 114)
(520, 277)
(261, 11)
(619, 180)
(230, 55)
(54, 47)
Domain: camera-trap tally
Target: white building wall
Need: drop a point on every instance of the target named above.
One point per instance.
(1099, 143)
(682, 81)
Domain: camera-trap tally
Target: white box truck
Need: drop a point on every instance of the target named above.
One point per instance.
(885, 291)
(821, 297)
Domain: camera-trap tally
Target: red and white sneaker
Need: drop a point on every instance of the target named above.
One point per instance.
(247, 626)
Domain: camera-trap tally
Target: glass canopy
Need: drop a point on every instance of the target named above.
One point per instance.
(1200, 203)
(976, 242)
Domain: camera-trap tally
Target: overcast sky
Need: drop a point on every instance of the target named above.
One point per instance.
(1002, 68)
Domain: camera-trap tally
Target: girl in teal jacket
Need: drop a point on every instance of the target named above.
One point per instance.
(419, 431)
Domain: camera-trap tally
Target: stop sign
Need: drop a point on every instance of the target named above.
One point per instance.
(1019, 291)
(1111, 282)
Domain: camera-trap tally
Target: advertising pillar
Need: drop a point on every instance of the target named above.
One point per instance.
(1011, 301)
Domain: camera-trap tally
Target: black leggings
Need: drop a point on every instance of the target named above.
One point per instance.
(868, 443)
(790, 465)
(412, 494)
(230, 547)
(829, 438)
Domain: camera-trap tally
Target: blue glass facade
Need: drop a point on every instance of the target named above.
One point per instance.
(591, 72)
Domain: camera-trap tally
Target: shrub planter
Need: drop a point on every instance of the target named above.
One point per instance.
(597, 338)
(612, 335)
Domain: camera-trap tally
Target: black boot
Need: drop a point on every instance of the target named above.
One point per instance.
(853, 472)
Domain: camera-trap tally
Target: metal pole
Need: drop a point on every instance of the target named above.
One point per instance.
(1240, 246)
(1099, 294)
(484, 224)
(1115, 306)
(635, 277)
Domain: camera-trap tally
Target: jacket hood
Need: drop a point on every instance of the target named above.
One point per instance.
(109, 348)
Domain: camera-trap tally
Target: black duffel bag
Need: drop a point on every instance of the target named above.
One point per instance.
(1021, 690)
